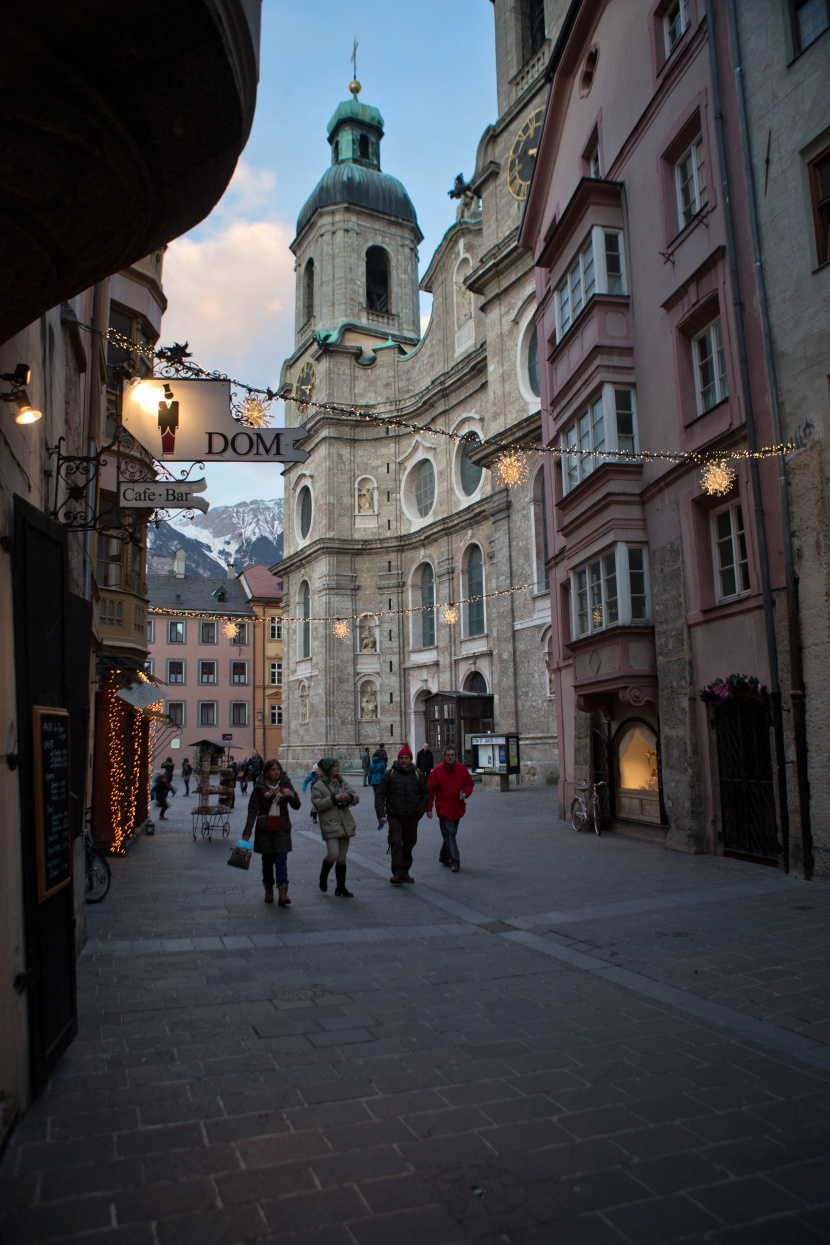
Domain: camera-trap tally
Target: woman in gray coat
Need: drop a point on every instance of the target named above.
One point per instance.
(271, 797)
(332, 796)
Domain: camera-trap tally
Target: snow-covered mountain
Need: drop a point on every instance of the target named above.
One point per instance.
(246, 533)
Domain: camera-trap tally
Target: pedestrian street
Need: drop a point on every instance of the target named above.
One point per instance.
(573, 1039)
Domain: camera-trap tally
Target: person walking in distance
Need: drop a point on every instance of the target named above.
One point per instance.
(168, 767)
(401, 796)
(450, 786)
(268, 811)
(425, 761)
(365, 762)
(161, 789)
(332, 798)
(187, 774)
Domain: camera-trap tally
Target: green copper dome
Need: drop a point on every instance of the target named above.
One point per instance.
(355, 132)
(361, 187)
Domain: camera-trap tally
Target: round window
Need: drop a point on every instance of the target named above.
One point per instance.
(469, 471)
(424, 487)
(304, 511)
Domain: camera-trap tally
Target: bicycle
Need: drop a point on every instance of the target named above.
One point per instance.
(97, 877)
(582, 813)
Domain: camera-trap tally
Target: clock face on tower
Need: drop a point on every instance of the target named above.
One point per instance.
(305, 385)
(523, 155)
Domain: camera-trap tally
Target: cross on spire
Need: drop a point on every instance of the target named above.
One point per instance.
(354, 58)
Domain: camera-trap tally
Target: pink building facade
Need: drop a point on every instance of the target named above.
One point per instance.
(658, 587)
(207, 677)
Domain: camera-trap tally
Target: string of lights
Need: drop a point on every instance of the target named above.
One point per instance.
(341, 620)
(511, 466)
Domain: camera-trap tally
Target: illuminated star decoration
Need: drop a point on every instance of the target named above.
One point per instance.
(255, 412)
(717, 478)
(450, 615)
(231, 630)
(510, 468)
(340, 629)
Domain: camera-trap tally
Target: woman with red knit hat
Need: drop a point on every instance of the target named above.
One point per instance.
(401, 796)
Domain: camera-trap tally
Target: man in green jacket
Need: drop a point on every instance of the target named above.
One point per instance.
(402, 796)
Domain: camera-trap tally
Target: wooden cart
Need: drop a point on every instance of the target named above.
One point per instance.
(215, 789)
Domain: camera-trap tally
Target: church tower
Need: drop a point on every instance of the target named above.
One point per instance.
(357, 239)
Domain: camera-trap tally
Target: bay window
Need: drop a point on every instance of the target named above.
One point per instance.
(611, 588)
(598, 269)
(608, 423)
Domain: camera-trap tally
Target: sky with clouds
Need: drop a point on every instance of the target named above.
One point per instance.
(429, 66)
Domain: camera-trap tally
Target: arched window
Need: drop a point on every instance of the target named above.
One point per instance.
(477, 683)
(304, 626)
(308, 290)
(424, 487)
(377, 279)
(475, 588)
(539, 518)
(304, 512)
(469, 473)
(428, 602)
(363, 146)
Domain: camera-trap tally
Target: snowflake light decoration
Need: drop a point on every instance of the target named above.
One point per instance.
(717, 478)
(450, 615)
(231, 630)
(510, 468)
(255, 412)
(340, 629)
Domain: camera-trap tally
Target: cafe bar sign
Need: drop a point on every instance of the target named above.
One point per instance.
(190, 421)
(163, 495)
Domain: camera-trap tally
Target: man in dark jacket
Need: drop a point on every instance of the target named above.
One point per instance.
(401, 796)
(425, 761)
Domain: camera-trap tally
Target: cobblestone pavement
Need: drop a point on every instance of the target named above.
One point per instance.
(572, 1040)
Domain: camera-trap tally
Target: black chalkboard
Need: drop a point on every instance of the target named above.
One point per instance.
(50, 729)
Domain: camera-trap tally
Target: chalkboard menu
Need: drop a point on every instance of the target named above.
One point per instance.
(50, 729)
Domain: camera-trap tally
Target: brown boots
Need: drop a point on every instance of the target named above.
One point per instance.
(284, 901)
(269, 894)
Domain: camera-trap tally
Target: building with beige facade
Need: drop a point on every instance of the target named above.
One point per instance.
(264, 593)
(385, 525)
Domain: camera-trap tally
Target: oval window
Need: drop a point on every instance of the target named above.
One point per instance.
(469, 471)
(424, 487)
(304, 511)
(533, 362)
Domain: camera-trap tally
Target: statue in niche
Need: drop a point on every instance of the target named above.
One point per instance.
(304, 705)
(365, 499)
(368, 704)
(368, 643)
(464, 303)
(551, 685)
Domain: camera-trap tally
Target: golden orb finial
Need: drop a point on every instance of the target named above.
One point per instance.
(355, 87)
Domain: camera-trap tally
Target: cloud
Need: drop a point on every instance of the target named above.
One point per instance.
(231, 296)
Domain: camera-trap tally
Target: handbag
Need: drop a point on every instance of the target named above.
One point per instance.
(240, 858)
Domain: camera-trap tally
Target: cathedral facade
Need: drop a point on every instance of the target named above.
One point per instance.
(385, 524)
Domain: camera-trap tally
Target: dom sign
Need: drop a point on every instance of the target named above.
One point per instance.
(190, 421)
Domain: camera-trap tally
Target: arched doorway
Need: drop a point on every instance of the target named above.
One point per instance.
(747, 793)
(637, 773)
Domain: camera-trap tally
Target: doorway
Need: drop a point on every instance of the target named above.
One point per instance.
(747, 792)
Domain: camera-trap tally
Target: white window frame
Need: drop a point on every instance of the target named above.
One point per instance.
(593, 162)
(675, 19)
(596, 243)
(717, 354)
(176, 622)
(182, 704)
(622, 600)
(613, 441)
(740, 565)
(207, 623)
(239, 704)
(694, 153)
(149, 666)
(274, 627)
(203, 682)
(175, 682)
(275, 674)
(151, 630)
(239, 682)
(581, 273)
(276, 714)
(204, 704)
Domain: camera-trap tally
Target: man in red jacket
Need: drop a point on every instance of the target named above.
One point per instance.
(449, 786)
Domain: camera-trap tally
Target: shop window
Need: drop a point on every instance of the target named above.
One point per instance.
(637, 779)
